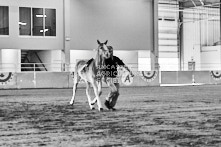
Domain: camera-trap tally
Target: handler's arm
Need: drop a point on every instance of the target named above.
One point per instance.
(121, 63)
(131, 73)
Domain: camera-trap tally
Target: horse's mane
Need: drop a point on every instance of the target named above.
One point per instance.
(99, 64)
(99, 60)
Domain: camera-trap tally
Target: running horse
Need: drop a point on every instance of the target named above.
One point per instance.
(89, 73)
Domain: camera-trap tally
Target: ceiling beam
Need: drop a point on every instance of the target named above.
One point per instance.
(195, 3)
(202, 3)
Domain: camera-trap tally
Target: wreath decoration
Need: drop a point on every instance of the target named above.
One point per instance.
(5, 77)
(216, 75)
(149, 76)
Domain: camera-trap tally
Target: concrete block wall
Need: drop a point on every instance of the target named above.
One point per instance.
(9, 80)
(191, 77)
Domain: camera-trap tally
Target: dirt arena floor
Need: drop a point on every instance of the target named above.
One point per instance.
(145, 116)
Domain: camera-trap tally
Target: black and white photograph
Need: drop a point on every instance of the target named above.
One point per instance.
(110, 73)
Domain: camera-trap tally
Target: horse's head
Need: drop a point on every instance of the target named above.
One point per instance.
(103, 49)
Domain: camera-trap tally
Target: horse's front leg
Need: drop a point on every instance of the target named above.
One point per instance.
(88, 95)
(96, 92)
(99, 93)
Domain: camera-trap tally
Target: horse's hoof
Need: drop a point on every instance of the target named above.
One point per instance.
(92, 107)
(71, 103)
(94, 102)
(101, 109)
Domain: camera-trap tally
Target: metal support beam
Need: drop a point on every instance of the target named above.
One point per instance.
(199, 3)
(155, 51)
(193, 3)
(67, 35)
(202, 3)
(180, 37)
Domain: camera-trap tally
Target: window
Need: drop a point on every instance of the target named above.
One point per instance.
(25, 21)
(50, 22)
(41, 21)
(37, 15)
(4, 20)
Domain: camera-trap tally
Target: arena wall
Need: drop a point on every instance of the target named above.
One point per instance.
(9, 80)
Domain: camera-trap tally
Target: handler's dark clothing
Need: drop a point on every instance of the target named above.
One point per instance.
(110, 67)
(110, 72)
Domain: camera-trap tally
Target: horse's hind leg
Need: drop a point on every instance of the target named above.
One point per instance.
(76, 80)
(88, 95)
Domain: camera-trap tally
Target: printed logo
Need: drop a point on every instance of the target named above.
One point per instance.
(5, 78)
(216, 75)
(148, 76)
(126, 78)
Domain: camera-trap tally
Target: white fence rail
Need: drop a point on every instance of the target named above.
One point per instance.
(59, 67)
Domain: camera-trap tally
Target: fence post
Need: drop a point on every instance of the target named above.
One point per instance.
(34, 76)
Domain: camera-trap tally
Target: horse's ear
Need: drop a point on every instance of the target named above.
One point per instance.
(106, 42)
(98, 42)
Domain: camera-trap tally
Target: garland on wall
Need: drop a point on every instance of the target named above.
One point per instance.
(148, 76)
(216, 75)
(5, 77)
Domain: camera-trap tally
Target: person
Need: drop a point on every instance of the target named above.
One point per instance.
(110, 77)
(110, 74)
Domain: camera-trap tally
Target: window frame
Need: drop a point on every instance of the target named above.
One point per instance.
(44, 25)
(30, 22)
(8, 33)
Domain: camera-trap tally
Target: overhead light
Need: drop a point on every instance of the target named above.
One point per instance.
(45, 30)
(22, 23)
(40, 15)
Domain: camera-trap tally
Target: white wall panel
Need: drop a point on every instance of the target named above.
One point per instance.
(168, 48)
(169, 64)
(10, 60)
(211, 58)
(127, 24)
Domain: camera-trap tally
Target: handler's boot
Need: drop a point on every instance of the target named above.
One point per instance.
(107, 104)
(113, 100)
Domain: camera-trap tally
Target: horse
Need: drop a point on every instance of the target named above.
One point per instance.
(90, 74)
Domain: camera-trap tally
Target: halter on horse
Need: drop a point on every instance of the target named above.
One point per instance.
(90, 74)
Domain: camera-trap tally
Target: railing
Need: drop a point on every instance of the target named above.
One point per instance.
(34, 67)
(59, 67)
